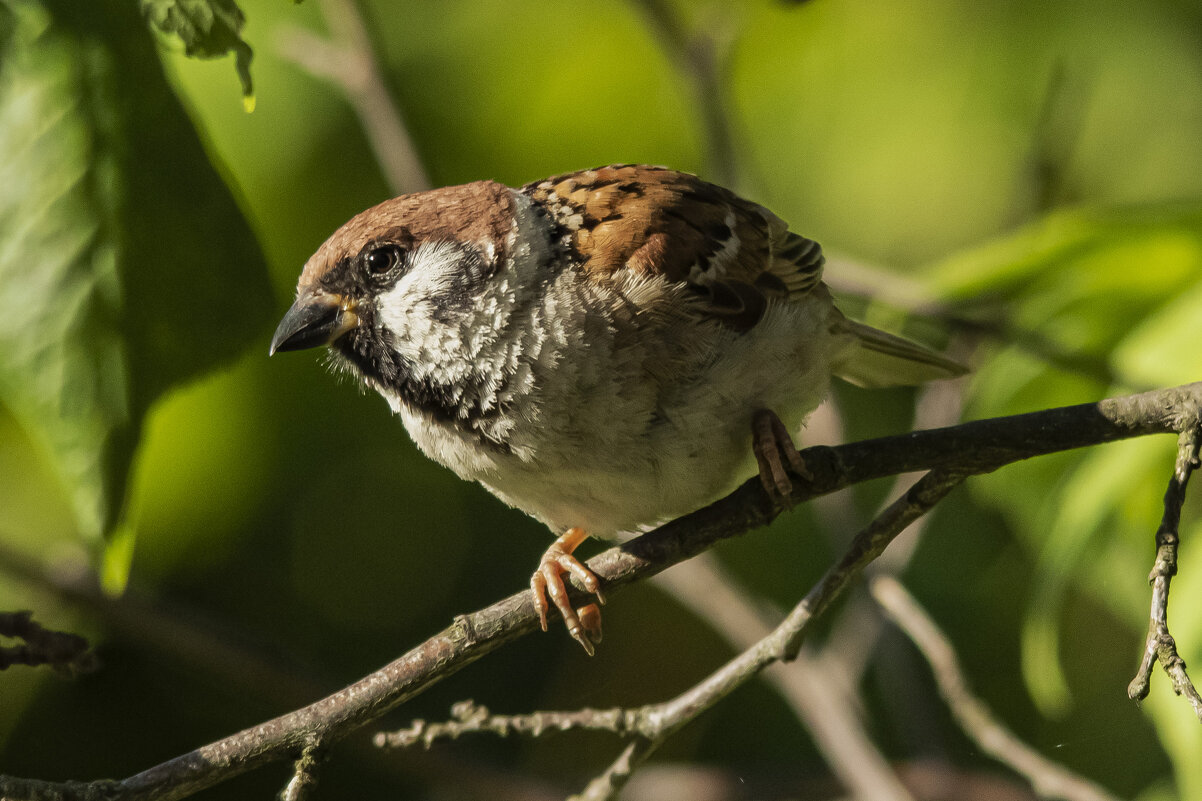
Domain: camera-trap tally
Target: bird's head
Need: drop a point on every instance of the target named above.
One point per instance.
(407, 292)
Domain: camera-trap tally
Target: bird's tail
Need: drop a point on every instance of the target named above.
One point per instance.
(877, 359)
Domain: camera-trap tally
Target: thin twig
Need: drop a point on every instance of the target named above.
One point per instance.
(67, 653)
(700, 59)
(651, 725)
(819, 697)
(348, 60)
(854, 634)
(966, 449)
(468, 717)
(1047, 778)
(659, 721)
(304, 775)
(1160, 644)
(610, 782)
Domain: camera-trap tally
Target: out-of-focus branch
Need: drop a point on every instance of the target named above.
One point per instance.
(819, 698)
(174, 632)
(348, 60)
(1049, 779)
(1161, 647)
(952, 453)
(660, 721)
(850, 278)
(67, 653)
(700, 60)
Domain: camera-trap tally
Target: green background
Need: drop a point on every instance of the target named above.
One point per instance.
(1034, 167)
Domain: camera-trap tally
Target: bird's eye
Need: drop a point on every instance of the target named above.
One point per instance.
(380, 260)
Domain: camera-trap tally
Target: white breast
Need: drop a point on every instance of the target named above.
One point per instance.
(616, 429)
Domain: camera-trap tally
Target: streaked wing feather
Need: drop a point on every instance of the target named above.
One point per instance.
(734, 253)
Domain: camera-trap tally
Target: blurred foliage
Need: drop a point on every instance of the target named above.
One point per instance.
(206, 29)
(1110, 291)
(1032, 166)
(120, 244)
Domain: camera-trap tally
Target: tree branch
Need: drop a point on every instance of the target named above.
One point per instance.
(815, 689)
(348, 60)
(1160, 643)
(67, 653)
(181, 634)
(651, 725)
(468, 717)
(1047, 778)
(700, 59)
(660, 721)
(958, 451)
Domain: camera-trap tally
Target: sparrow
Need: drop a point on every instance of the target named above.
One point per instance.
(605, 350)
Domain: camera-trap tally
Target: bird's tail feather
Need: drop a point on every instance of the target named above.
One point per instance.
(877, 359)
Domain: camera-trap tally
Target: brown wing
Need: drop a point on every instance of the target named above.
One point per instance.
(734, 253)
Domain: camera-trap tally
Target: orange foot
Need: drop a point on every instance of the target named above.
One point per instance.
(584, 624)
(774, 447)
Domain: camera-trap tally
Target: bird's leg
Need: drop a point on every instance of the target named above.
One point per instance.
(583, 624)
(773, 447)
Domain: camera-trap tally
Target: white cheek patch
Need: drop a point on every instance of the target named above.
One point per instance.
(396, 312)
(437, 262)
(443, 321)
(467, 329)
(404, 309)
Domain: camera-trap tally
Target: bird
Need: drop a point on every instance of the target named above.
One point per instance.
(605, 350)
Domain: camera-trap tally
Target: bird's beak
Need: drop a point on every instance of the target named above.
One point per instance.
(315, 319)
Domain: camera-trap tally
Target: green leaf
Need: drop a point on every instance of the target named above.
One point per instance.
(8, 24)
(207, 29)
(1069, 237)
(1165, 345)
(1082, 277)
(126, 267)
(1116, 288)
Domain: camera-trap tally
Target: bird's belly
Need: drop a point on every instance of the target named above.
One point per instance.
(624, 486)
(609, 496)
(631, 483)
(635, 459)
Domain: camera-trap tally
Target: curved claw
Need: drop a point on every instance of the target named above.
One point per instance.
(773, 447)
(584, 624)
